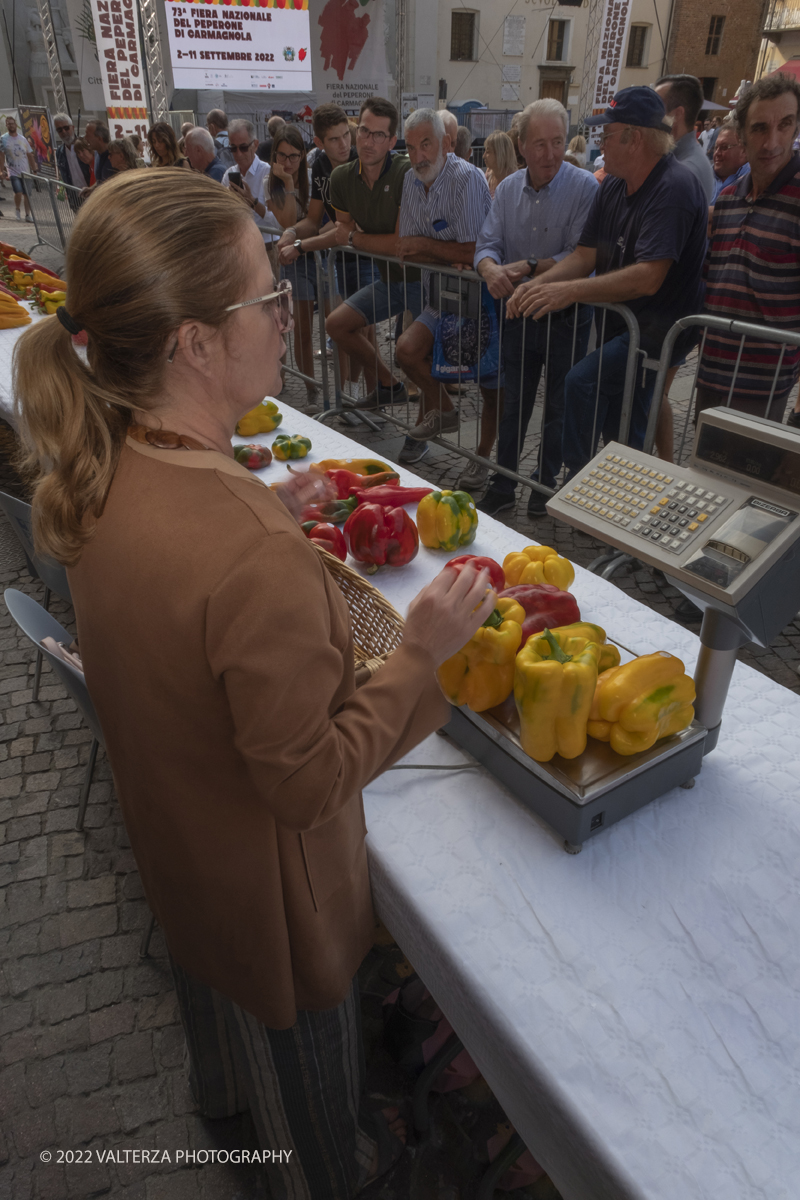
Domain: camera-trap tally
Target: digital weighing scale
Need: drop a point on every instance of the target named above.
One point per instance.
(725, 530)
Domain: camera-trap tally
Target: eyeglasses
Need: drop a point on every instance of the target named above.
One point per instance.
(282, 310)
(287, 158)
(241, 149)
(377, 135)
(604, 137)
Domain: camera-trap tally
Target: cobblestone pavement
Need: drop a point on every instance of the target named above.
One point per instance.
(91, 1052)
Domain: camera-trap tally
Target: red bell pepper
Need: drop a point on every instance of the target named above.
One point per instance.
(496, 574)
(378, 535)
(334, 511)
(390, 495)
(254, 457)
(327, 536)
(547, 607)
(347, 481)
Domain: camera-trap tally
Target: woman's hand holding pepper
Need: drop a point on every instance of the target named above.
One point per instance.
(304, 488)
(446, 613)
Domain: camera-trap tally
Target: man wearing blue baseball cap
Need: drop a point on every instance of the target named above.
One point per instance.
(644, 243)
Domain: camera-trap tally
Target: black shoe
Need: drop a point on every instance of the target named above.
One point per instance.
(793, 419)
(687, 613)
(495, 502)
(396, 394)
(537, 505)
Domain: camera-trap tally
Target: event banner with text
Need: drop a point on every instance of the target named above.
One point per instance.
(119, 50)
(613, 38)
(245, 45)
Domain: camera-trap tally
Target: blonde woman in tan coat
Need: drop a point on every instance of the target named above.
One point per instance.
(219, 656)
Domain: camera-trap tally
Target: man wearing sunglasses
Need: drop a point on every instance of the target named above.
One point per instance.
(253, 173)
(70, 168)
(366, 195)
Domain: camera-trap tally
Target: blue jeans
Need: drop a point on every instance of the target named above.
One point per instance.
(582, 425)
(524, 356)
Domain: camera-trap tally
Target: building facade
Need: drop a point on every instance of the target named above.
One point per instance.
(781, 37)
(718, 41)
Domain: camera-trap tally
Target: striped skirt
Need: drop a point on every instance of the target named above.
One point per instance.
(304, 1087)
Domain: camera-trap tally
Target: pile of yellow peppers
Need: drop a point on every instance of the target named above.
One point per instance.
(568, 683)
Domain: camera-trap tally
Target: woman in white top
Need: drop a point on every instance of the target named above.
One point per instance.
(499, 159)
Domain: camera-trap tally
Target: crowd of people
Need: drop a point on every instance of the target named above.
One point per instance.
(655, 222)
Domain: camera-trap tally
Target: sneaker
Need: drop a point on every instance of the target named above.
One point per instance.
(433, 424)
(793, 419)
(412, 451)
(496, 502)
(29, 218)
(18, 214)
(472, 478)
(536, 504)
(396, 394)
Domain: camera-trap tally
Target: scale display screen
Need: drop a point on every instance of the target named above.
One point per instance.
(755, 460)
(737, 543)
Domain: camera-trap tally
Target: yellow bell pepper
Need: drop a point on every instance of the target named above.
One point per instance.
(447, 520)
(538, 564)
(261, 419)
(554, 685)
(359, 466)
(481, 674)
(643, 700)
(51, 305)
(609, 655)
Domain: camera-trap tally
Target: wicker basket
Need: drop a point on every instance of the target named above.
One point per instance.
(377, 625)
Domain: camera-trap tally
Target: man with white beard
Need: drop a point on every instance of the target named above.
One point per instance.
(442, 210)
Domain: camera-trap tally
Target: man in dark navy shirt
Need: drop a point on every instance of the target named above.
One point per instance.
(645, 240)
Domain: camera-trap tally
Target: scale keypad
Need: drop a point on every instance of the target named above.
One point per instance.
(655, 504)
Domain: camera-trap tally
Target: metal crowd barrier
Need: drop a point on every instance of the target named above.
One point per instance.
(742, 331)
(54, 207)
(339, 398)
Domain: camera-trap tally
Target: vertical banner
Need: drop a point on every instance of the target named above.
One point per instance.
(119, 50)
(613, 36)
(348, 52)
(35, 124)
(84, 47)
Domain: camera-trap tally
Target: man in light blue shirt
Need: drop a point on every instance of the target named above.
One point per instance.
(536, 219)
(730, 160)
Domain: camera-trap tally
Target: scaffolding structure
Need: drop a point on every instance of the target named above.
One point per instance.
(159, 100)
(53, 61)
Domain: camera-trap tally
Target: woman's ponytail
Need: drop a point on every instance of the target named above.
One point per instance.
(150, 250)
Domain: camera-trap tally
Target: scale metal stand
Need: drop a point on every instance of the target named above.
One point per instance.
(741, 567)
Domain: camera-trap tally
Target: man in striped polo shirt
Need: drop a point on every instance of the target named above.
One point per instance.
(752, 264)
(444, 204)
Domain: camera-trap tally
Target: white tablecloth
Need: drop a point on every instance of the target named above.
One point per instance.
(635, 1008)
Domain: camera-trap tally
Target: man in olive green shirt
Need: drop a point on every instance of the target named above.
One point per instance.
(366, 196)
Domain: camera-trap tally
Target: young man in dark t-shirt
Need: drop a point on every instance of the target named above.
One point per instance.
(645, 240)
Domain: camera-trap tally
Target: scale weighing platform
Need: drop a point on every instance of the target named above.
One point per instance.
(725, 530)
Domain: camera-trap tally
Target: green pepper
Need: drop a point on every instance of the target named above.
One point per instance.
(292, 445)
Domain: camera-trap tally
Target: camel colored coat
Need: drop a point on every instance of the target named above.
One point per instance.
(218, 653)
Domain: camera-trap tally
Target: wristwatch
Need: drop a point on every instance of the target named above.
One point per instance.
(297, 244)
(533, 264)
(350, 238)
